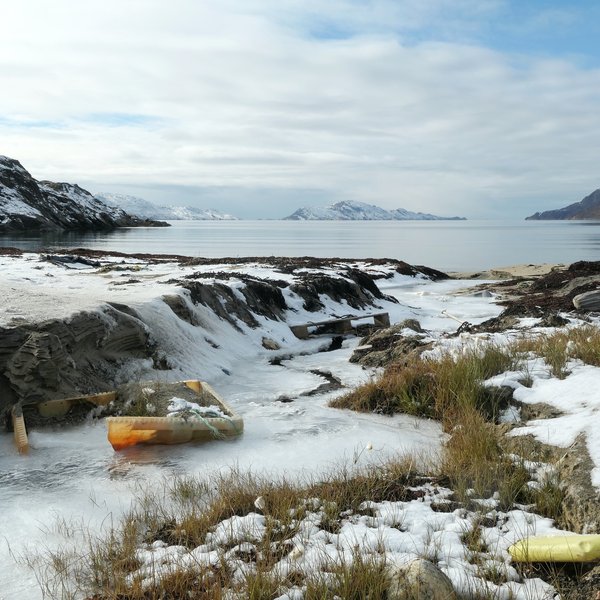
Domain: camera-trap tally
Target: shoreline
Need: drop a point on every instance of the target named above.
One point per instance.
(511, 271)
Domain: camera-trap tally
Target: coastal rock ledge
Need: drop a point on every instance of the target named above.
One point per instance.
(101, 344)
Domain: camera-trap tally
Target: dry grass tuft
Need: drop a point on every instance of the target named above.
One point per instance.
(433, 388)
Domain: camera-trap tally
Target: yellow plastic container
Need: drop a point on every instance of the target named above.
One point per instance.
(564, 548)
(59, 408)
(129, 431)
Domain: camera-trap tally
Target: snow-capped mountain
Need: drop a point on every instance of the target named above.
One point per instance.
(349, 210)
(28, 204)
(147, 210)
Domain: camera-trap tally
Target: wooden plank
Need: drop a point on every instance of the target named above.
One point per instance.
(341, 324)
(20, 431)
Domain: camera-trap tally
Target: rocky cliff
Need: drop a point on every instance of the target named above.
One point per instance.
(28, 204)
(588, 208)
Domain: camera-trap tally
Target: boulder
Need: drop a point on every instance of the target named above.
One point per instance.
(589, 301)
(270, 344)
(420, 579)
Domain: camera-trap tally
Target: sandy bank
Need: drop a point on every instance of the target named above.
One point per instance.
(523, 270)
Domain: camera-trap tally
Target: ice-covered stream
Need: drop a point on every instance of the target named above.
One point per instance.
(72, 473)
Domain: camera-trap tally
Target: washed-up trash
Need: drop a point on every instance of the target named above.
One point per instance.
(204, 417)
(557, 548)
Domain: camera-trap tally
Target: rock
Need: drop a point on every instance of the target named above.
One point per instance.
(81, 355)
(589, 301)
(420, 579)
(580, 508)
(270, 344)
(310, 286)
(389, 344)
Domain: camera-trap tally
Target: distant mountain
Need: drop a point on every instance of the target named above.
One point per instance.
(588, 208)
(349, 210)
(27, 204)
(148, 210)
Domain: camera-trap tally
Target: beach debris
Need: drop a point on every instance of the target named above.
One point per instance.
(338, 325)
(204, 417)
(557, 548)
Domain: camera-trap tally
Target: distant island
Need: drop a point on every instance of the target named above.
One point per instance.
(349, 210)
(27, 204)
(148, 210)
(588, 208)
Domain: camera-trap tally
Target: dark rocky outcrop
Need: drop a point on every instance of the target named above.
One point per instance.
(27, 204)
(58, 359)
(86, 353)
(391, 345)
(588, 208)
(358, 290)
(544, 297)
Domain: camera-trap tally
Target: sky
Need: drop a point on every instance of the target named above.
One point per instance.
(476, 108)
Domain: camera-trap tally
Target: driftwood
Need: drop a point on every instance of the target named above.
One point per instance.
(588, 301)
(339, 325)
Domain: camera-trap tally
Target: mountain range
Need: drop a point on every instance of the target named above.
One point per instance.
(148, 210)
(28, 204)
(588, 208)
(349, 210)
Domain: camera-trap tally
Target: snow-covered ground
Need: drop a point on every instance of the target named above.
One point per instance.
(73, 474)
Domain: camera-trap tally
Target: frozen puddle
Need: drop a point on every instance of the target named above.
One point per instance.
(73, 474)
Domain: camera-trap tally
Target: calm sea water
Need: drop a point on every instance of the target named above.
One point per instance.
(445, 245)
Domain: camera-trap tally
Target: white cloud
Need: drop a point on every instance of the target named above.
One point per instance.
(244, 95)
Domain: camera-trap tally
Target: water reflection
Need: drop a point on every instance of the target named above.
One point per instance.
(446, 245)
(57, 239)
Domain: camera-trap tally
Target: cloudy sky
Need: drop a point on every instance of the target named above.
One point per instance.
(480, 108)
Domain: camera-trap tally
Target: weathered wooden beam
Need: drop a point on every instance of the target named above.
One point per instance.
(340, 325)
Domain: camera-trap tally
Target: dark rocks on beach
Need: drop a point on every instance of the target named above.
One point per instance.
(391, 344)
(547, 296)
(358, 290)
(85, 353)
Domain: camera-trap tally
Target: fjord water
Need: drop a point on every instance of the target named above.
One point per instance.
(444, 245)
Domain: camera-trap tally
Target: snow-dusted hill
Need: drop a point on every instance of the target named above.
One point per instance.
(147, 210)
(349, 210)
(28, 204)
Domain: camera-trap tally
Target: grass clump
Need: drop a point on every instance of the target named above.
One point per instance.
(438, 388)
(557, 348)
(476, 460)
